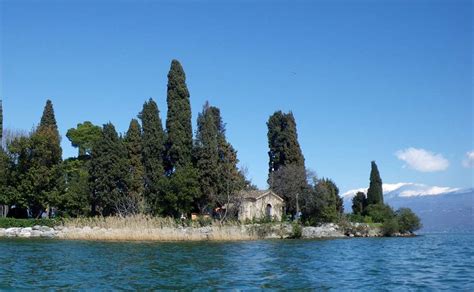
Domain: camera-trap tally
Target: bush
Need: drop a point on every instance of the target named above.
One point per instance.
(390, 227)
(407, 220)
(380, 212)
(12, 222)
(297, 230)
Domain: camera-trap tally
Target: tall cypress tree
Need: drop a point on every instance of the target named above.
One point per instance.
(109, 173)
(153, 140)
(178, 121)
(133, 143)
(283, 142)
(375, 191)
(207, 157)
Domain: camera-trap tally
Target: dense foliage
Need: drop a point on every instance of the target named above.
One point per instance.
(372, 209)
(148, 170)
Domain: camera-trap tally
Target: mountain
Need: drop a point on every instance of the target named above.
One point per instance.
(441, 209)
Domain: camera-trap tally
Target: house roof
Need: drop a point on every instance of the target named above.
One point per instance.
(258, 194)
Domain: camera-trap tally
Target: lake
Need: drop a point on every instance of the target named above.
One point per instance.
(431, 261)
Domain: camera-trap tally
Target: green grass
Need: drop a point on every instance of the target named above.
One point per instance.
(12, 222)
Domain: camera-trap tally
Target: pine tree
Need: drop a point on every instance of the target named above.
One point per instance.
(109, 174)
(153, 140)
(375, 191)
(283, 142)
(84, 136)
(178, 121)
(133, 143)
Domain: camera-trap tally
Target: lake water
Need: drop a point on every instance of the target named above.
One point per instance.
(432, 261)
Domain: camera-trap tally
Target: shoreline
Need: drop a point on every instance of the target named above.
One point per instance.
(208, 233)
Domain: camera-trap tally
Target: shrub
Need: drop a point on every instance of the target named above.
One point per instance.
(380, 212)
(297, 230)
(12, 222)
(407, 220)
(390, 227)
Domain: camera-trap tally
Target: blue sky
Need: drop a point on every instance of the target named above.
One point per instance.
(389, 81)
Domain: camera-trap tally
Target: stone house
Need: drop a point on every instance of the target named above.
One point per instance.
(260, 205)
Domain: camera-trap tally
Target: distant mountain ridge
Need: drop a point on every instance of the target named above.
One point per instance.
(441, 209)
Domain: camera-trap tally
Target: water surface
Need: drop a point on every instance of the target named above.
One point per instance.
(432, 261)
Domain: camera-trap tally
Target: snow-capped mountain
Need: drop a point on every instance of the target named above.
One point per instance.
(441, 209)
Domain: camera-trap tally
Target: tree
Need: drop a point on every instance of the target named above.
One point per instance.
(133, 143)
(291, 183)
(380, 212)
(178, 192)
(84, 136)
(48, 118)
(216, 161)
(75, 200)
(207, 158)
(375, 191)
(153, 140)
(178, 121)
(109, 173)
(284, 148)
(44, 156)
(407, 220)
(359, 203)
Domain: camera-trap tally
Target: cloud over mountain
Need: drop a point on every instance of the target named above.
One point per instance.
(422, 160)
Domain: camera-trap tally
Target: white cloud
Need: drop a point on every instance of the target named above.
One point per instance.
(469, 160)
(423, 160)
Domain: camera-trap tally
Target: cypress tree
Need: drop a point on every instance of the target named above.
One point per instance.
(207, 156)
(109, 173)
(153, 140)
(48, 119)
(133, 143)
(45, 159)
(375, 191)
(283, 142)
(178, 121)
(359, 203)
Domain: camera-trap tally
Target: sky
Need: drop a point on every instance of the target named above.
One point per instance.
(390, 81)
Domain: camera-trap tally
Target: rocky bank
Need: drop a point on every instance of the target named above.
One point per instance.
(217, 233)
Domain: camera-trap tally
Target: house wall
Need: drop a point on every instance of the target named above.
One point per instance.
(257, 209)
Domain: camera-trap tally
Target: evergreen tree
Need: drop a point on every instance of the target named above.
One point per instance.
(207, 157)
(45, 156)
(84, 136)
(178, 121)
(153, 140)
(283, 142)
(216, 161)
(48, 119)
(359, 203)
(109, 174)
(133, 143)
(375, 191)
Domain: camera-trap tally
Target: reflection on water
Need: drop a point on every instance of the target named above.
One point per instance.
(434, 261)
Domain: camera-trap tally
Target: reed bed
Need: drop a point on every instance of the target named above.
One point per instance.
(148, 228)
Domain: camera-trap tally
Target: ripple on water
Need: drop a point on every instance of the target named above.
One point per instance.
(433, 261)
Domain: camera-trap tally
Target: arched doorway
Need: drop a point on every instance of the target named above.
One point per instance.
(268, 211)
